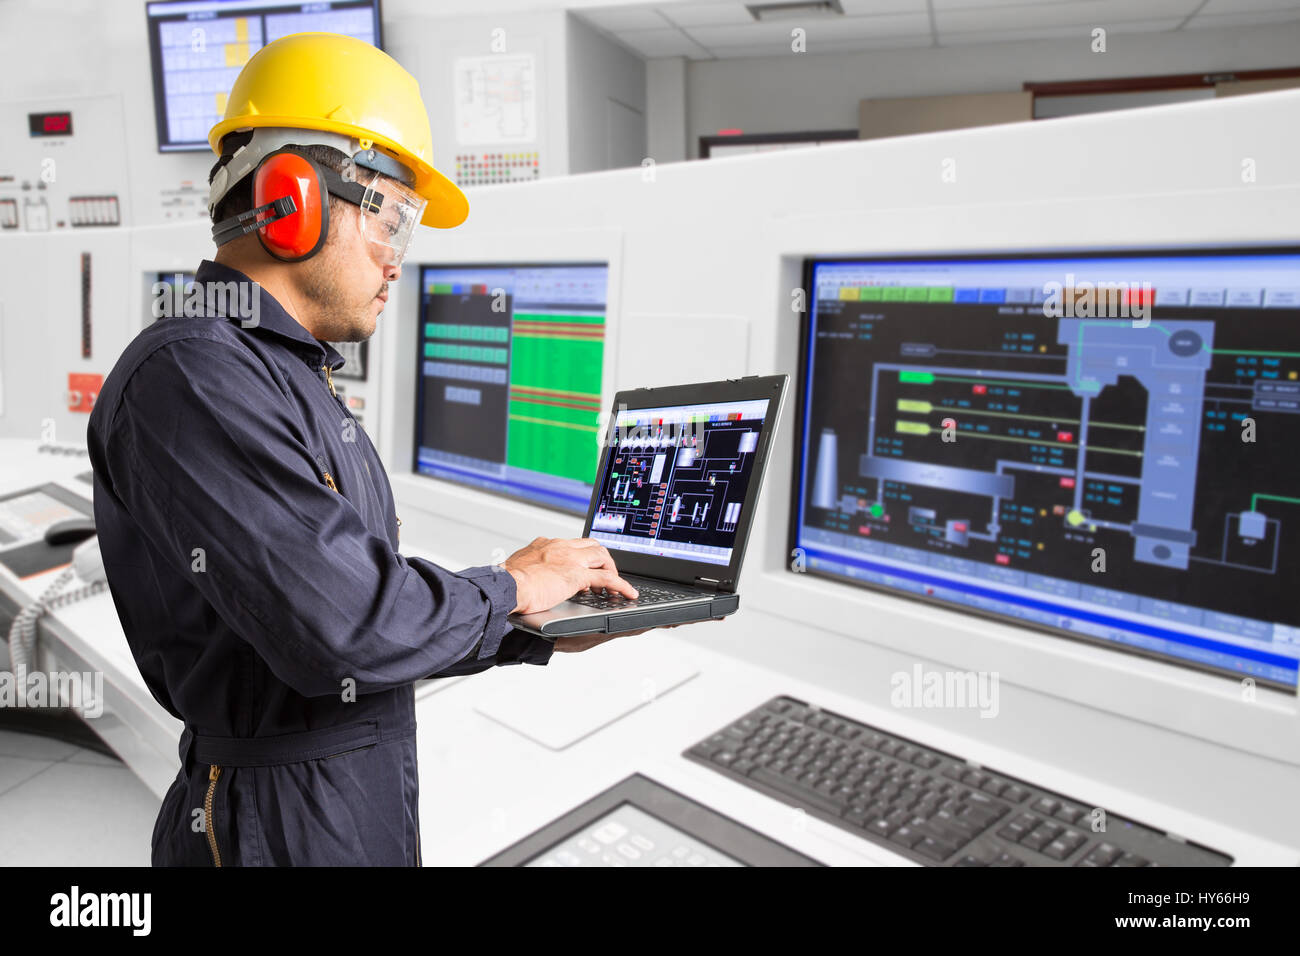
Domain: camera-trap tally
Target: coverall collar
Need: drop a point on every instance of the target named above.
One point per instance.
(272, 317)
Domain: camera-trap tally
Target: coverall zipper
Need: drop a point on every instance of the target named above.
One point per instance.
(329, 380)
(325, 474)
(214, 772)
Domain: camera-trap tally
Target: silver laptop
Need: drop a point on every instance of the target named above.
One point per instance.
(675, 494)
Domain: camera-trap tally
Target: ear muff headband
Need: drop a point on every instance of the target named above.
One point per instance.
(246, 222)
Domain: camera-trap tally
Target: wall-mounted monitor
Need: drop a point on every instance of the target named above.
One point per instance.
(1100, 445)
(198, 47)
(165, 294)
(508, 395)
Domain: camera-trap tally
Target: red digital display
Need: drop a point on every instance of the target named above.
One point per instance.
(50, 124)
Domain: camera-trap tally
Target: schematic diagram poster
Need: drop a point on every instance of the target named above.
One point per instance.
(496, 99)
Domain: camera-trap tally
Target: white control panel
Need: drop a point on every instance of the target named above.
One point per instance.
(64, 164)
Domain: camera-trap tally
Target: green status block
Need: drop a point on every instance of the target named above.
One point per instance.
(916, 378)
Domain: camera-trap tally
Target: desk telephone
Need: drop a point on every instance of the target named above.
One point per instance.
(87, 570)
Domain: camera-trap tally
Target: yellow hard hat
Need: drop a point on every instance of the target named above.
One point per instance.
(339, 84)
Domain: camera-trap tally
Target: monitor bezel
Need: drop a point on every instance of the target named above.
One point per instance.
(155, 71)
(417, 415)
(749, 388)
(801, 388)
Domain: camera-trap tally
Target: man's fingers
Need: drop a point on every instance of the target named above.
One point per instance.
(612, 582)
(593, 554)
(600, 558)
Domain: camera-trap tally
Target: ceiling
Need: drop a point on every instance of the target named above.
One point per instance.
(719, 29)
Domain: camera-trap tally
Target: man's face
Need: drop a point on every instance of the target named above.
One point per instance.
(347, 281)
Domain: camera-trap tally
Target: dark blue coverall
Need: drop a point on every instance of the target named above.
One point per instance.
(289, 643)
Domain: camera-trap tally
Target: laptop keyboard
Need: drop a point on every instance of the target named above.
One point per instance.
(646, 594)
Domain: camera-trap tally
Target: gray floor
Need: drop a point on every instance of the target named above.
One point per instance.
(64, 805)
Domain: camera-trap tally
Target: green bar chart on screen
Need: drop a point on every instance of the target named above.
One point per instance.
(555, 401)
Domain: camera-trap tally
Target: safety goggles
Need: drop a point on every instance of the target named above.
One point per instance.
(390, 212)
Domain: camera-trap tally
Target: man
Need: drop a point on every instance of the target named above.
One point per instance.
(246, 522)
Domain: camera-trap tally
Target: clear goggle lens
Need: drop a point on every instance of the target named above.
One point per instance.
(390, 212)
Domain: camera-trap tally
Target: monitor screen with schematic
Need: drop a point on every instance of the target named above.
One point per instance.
(1095, 445)
(509, 375)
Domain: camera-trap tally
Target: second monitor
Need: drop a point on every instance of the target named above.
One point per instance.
(1066, 441)
(509, 374)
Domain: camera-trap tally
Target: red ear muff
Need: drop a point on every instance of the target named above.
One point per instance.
(300, 234)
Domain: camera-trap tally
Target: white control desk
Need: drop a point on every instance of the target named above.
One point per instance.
(484, 785)
(489, 778)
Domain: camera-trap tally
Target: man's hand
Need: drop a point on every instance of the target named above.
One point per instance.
(551, 570)
(583, 642)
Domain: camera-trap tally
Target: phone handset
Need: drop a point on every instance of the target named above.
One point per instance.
(88, 563)
(87, 569)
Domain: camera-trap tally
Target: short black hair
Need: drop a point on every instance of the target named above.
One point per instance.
(240, 197)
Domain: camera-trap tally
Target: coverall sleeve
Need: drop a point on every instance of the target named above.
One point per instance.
(517, 647)
(207, 452)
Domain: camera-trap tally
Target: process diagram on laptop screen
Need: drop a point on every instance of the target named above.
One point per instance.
(676, 480)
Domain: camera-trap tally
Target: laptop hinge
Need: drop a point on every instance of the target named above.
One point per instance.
(711, 584)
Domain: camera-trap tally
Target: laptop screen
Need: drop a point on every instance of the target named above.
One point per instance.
(675, 479)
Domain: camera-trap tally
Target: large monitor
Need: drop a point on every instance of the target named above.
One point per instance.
(198, 47)
(509, 361)
(1102, 446)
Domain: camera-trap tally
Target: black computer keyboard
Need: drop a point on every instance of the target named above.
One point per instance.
(922, 803)
(646, 594)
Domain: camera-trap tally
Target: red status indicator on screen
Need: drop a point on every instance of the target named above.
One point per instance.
(1143, 296)
(50, 124)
